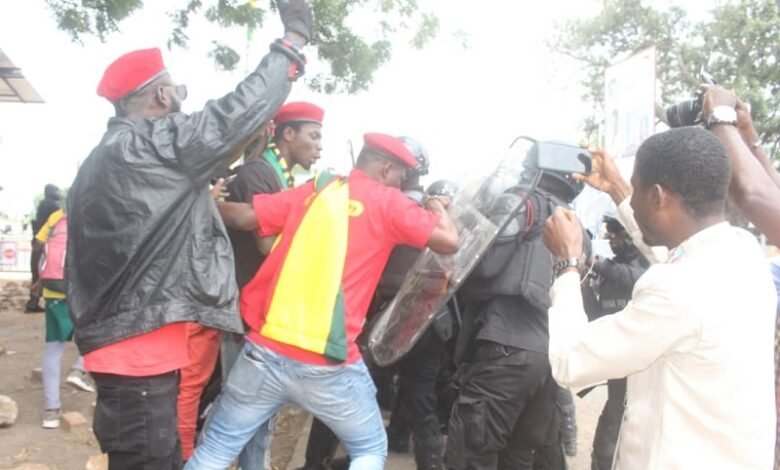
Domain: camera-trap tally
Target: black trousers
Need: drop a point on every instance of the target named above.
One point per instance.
(416, 403)
(506, 410)
(608, 426)
(135, 421)
(35, 259)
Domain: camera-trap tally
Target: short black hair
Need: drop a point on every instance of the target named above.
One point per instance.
(690, 162)
(279, 130)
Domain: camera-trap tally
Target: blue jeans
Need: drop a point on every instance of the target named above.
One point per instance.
(256, 452)
(342, 396)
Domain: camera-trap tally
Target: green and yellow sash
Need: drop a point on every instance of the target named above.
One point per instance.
(307, 306)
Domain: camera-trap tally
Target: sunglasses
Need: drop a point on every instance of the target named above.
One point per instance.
(181, 91)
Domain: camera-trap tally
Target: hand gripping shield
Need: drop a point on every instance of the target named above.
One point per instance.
(434, 278)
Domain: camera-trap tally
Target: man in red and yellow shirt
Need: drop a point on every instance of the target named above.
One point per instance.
(308, 302)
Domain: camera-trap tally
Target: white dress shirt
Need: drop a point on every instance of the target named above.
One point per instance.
(697, 345)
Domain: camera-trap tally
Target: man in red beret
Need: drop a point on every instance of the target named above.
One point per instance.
(147, 254)
(297, 140)
(307, 304)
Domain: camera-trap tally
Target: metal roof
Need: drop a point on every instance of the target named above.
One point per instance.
(14, 87)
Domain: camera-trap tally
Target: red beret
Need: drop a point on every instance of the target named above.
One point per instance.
(299, 111)
(390, 146)
(129, 72)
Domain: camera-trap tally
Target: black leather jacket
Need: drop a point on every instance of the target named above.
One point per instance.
(146, 245)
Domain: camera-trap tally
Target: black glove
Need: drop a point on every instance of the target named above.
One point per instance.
(296, 17)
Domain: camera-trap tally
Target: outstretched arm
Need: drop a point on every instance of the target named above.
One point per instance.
(238, 216)
(753, 188)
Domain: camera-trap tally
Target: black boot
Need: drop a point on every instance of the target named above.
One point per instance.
(428, 453)
(605, 441)
(569, 430)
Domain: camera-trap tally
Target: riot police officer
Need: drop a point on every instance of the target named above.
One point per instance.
(506, 414)
(415, 407)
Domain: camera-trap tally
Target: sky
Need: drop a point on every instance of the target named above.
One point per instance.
(465, 105)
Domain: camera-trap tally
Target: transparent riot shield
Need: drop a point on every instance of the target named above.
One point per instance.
(434, 278)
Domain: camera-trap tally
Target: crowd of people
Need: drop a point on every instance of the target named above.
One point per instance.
(166, 244)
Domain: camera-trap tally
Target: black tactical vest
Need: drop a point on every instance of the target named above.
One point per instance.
(523, 265)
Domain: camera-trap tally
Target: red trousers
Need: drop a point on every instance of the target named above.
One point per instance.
(203, 347)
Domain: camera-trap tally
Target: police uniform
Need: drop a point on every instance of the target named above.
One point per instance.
(507, 403)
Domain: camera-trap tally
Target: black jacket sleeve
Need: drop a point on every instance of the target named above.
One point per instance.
(205, 141)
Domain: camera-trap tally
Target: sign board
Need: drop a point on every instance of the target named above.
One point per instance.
(629, 105)
(15, 253)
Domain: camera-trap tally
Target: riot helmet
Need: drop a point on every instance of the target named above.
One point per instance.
(619, 240)
(612, 224)
(561, 184)
(558, 182)
(443, 188)
(420, 154)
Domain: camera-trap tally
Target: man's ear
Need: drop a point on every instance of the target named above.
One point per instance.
(661, 198)
(288, 134)
(387, 168)
(161, 99)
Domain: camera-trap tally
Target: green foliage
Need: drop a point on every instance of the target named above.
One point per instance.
(353, 57)
(738, 43)
(224, 56)
(91, 17)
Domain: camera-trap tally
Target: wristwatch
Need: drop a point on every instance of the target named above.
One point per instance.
(722, 115)
(560, 266)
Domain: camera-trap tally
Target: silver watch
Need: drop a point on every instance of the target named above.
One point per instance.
(722, 115)
(560, 266)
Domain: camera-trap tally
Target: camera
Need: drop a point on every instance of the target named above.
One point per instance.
(688, 113)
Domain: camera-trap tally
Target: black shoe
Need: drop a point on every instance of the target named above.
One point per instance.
(33, 307)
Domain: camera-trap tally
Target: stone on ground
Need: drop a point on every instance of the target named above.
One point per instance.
(8, 411)
(98, 462)
(73, 420)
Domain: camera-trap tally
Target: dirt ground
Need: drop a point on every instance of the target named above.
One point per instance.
(26, 443)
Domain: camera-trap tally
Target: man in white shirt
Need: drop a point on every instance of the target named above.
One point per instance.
(696, 342)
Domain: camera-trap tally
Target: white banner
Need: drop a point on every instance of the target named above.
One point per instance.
(629, 104)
